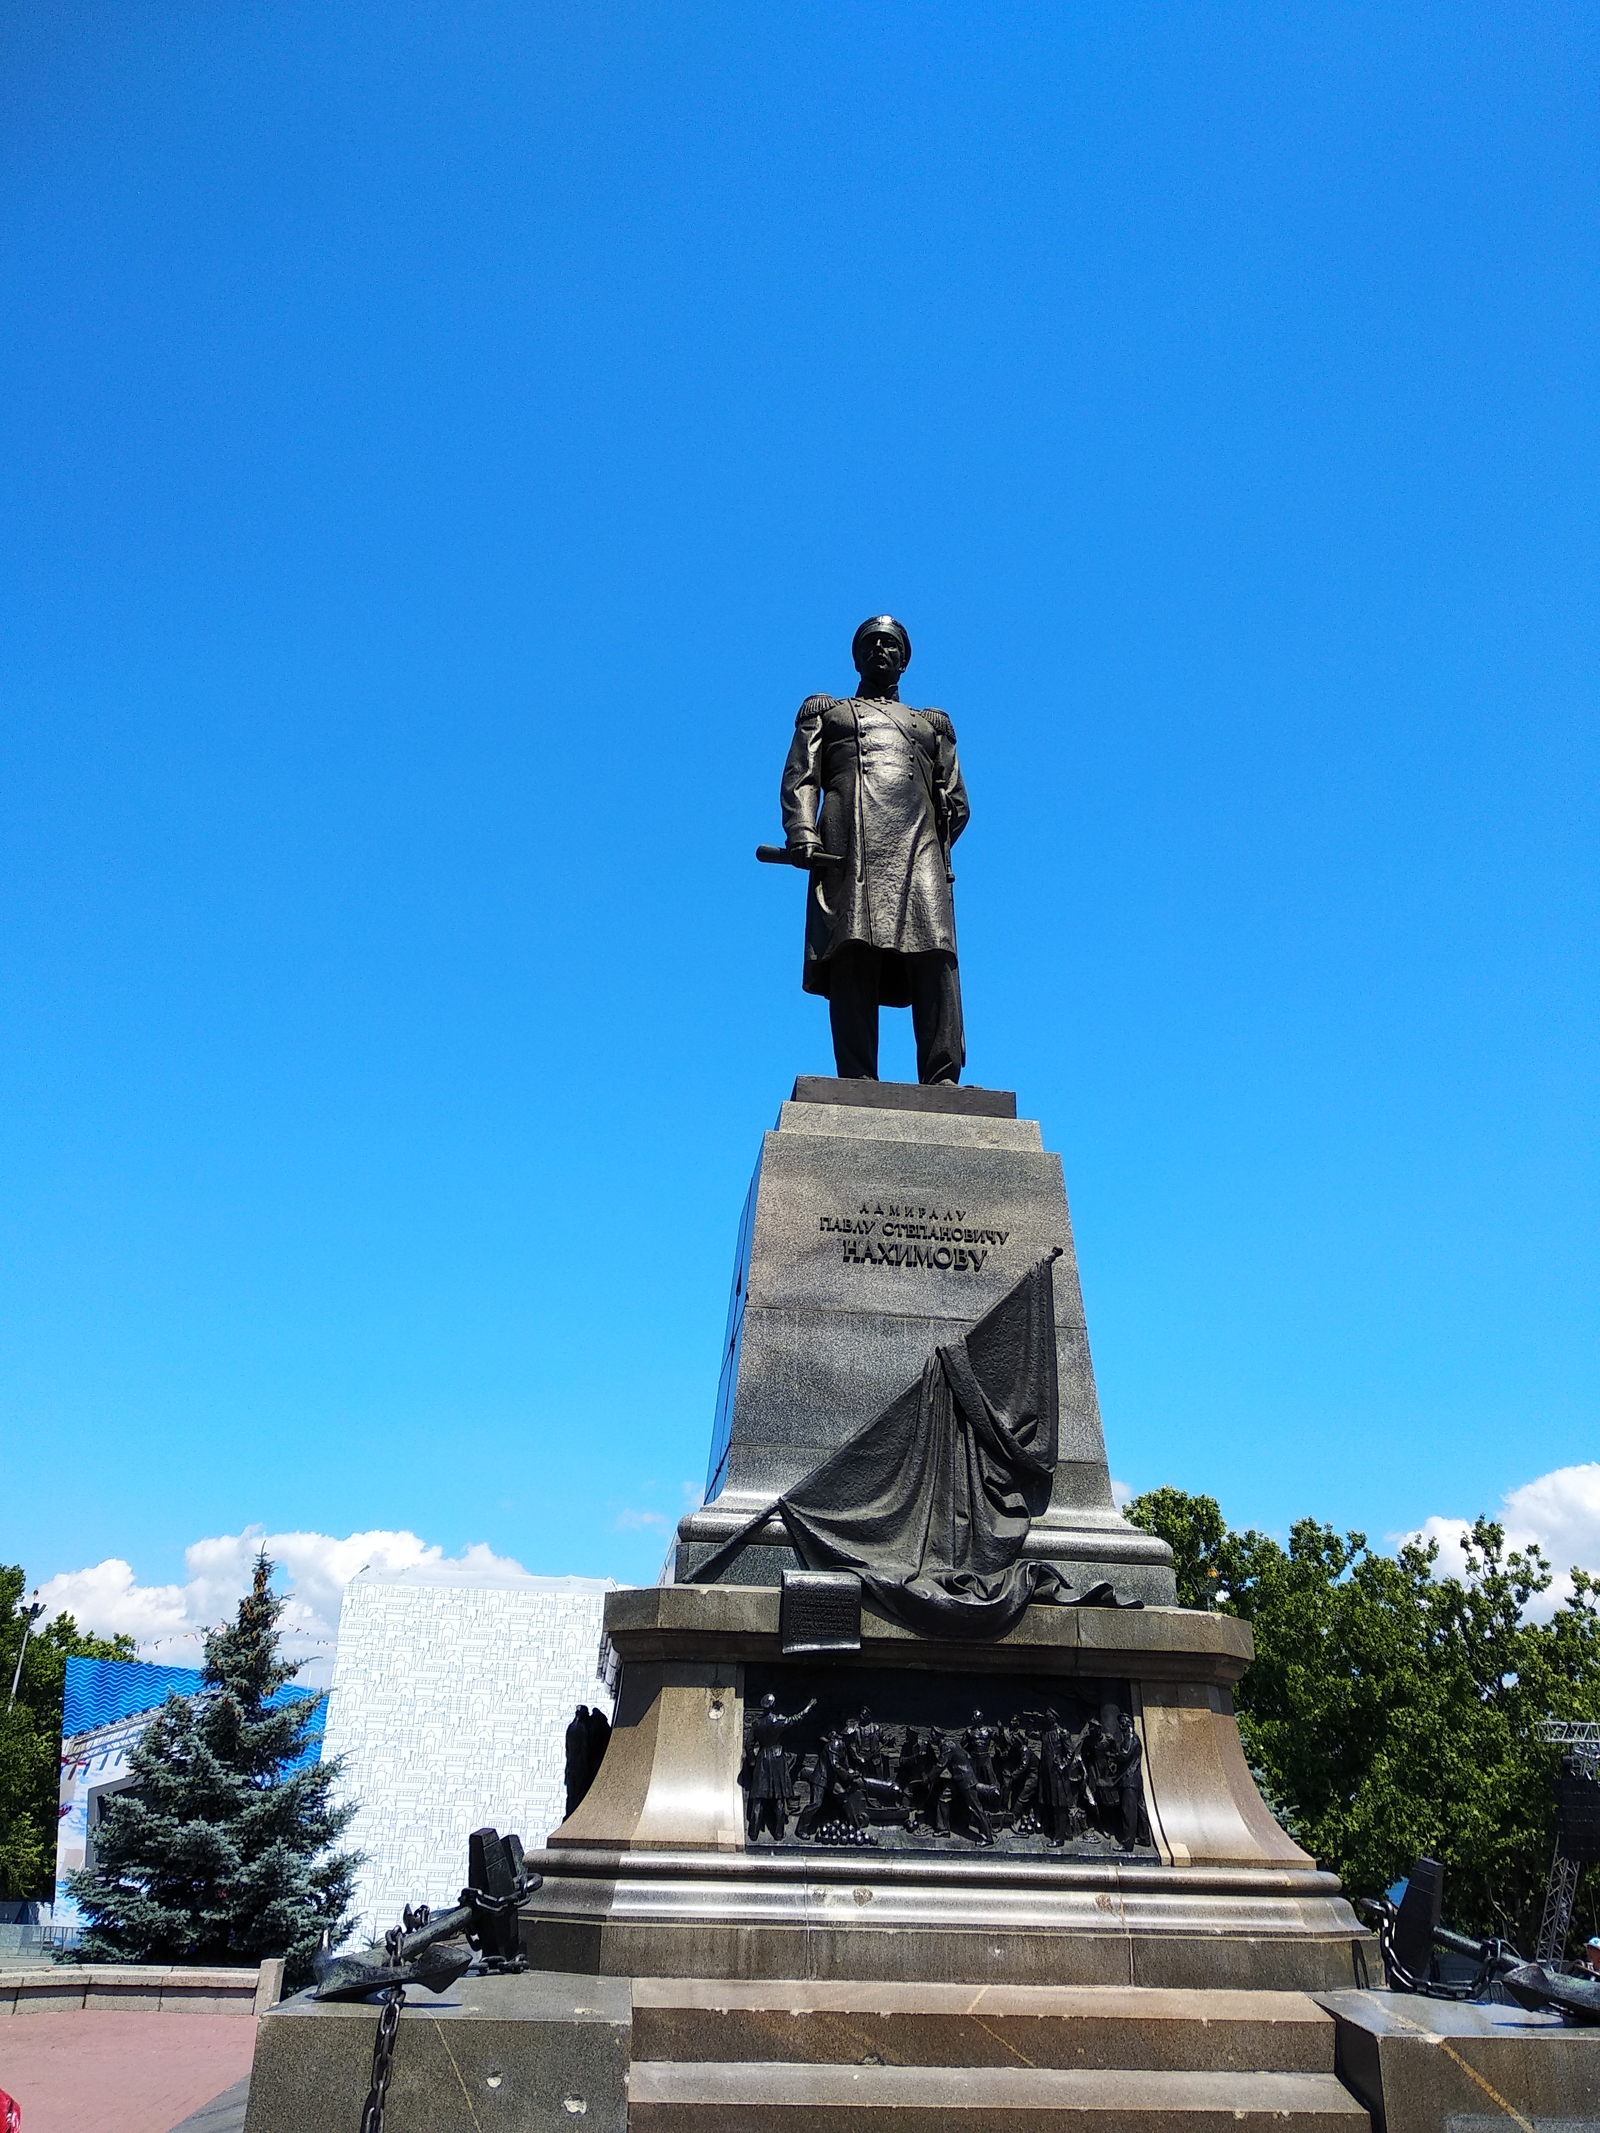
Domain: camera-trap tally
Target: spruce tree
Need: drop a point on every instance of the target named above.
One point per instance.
(217, 1853)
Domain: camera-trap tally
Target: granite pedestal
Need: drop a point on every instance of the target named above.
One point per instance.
(654, 1875)
(817, 2058)
(884, 1218)
(825, 2056)
(1137, 1966)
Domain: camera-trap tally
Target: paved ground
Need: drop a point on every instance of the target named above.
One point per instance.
(94, 2071)
(223, 2114)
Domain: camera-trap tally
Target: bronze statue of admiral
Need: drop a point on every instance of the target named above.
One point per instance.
(873, 803)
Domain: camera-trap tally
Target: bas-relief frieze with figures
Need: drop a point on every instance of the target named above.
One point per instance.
(940, 1762)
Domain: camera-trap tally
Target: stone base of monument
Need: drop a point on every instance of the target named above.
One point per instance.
(654, 2054)
(538, 2053)
(1436, 2066)
(651, 2055)
(656, 1874)
(747, 2058)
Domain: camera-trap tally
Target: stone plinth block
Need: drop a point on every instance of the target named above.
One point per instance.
(1099, 2028)
(723, 2098)
(1436, 2066)
(536, 2054)
(697, 2053)
(874, 1230)
(811, 2055)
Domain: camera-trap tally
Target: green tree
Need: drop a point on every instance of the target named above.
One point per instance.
(1194, 1529)
(30, 1735)
(217, 1852)
(1391, 1712)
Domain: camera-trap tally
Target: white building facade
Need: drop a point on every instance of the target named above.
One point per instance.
(449, 1706)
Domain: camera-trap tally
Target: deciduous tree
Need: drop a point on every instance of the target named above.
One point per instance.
(30, 1735)
(1392, 1712)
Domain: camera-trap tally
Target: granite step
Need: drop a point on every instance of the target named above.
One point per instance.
(1128, 2027)
(677, 2096)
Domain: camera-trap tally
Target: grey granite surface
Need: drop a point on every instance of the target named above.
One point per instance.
(845, 1122)
(1436, 2066)
(531, 2053)
(223, 2114)
(874, 1233)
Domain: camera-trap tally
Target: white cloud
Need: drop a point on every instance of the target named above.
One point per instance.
(1560, 1510)
(1121, 1494)
(644, 1518)
(167, 1622)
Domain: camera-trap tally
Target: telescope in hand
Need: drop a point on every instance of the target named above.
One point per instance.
(779, 855)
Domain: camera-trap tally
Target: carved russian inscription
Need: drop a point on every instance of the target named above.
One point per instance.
(912, 1234)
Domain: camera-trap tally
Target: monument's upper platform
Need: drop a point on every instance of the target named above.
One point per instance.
(949, 1098)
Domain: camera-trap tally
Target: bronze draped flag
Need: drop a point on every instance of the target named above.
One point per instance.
(931, 1502)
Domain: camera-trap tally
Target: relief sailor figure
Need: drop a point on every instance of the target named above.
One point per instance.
(766, 1771)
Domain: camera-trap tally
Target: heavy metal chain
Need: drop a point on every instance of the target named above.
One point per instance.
(382, 2060)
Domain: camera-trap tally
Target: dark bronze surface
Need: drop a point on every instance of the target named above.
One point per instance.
(931, 1504)
(585, 1746)
(875, 785)
(820, 1611)
(926, 1762)
(969, 1102)
(434, 1948)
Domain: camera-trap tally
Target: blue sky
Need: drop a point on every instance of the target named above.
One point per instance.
(439, 448)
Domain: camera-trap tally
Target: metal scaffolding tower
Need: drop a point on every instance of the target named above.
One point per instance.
(1580, 1741)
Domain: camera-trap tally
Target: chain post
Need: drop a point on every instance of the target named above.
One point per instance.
(382, 2060)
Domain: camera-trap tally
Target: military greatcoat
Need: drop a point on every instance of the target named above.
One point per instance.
(767, 1769)
(877, 782)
